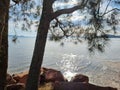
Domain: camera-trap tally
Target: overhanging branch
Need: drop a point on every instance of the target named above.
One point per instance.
(69, 10)
(66, 11)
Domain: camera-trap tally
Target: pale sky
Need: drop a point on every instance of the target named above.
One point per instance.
(17, 30)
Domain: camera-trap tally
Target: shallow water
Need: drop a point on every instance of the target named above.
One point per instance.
(102, 68)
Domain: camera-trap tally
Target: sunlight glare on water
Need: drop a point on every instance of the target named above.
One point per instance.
(71, 64)
(68, 74)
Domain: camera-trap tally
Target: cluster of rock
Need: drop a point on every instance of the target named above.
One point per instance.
(18, 81)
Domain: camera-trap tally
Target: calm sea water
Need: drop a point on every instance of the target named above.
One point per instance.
(69, 59)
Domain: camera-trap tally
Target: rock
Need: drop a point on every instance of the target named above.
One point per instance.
(18, 86)
(96, 87)
(16, 77)
(71, 86)
(47, 75)
(21, 77)
(46, 86)
(79, 86)
(51, 75)
(80, 78)
(43, 70)
(42, 79)
(10, 80)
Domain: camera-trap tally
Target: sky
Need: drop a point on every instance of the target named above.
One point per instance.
(32, 32)
(17, 30)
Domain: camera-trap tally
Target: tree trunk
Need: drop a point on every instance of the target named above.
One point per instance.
(4, 10)
(47, 16)
(34, 72)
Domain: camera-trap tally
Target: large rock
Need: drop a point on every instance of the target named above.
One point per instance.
(21, 77)
(10, 80)
(18, 86)
(95, 87)
(80, 78)
(42, 79)
(47, 75)
(79, 86)
(51, 75)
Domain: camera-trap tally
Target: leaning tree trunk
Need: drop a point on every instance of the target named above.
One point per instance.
(47, 16)
(4, 10)
(34, 72)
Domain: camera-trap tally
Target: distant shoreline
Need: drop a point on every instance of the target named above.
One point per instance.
(109, 36)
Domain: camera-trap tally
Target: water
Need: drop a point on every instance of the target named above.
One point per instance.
(102, 68)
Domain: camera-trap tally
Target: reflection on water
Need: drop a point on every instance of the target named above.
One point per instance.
(68, 74)
(71, 64)
(105, 73)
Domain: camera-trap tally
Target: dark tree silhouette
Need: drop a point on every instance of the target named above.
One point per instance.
(4, 10)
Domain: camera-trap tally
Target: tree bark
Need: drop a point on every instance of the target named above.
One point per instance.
(34, 72)
(66, 11)
(4, 10)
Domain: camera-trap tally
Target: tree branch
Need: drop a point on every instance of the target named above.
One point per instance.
(69, 10)
(60, 26)
(111, 11)
(66, 11)
(107, 7)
